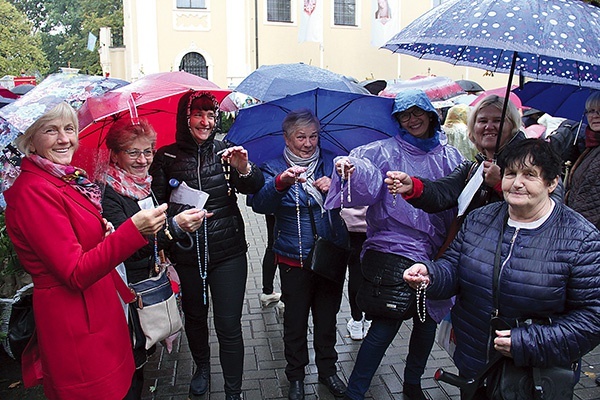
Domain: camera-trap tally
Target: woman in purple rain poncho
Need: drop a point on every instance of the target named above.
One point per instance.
(398, 232)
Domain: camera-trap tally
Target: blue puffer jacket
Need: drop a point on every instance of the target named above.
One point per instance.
(552, 271)
(283, 204)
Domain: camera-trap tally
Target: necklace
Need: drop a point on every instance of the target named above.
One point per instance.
(421, 297)
(203, 267)
(342, 188)
(297, 198)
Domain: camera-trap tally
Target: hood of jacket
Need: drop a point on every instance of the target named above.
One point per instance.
(416, 97)
(183, 136)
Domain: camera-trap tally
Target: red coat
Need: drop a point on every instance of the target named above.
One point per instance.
(82, 334)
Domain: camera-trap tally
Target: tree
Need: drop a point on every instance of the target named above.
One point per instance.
(65, 25)
(20, 48)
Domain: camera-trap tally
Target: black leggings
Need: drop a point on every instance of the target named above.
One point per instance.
(268, 264)
(226, 282)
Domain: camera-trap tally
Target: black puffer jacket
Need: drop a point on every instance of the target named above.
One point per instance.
(200, 168)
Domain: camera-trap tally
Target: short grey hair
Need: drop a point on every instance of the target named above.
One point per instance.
(593, 101)
(299, 118)
(61, 111)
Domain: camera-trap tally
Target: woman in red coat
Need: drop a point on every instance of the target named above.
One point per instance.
(81, 349)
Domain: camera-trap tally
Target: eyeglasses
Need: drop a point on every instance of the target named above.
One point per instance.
(592, 113)
(135, 154)
(404, 116)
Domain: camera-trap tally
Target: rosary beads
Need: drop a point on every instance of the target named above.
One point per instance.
(421, 297)
(297, 198)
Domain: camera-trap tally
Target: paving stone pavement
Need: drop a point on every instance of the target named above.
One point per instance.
(168, 374)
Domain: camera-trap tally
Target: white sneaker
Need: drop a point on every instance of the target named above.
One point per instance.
(366, 326)
(280, 308)
(266, 299)
(355, 328)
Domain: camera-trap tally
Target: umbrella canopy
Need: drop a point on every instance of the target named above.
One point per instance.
(437, 88)
(75, 89)
(22, 89)
(498, 92)
(7, 94)
(271, 82)
(374, 86)
(5, 100)
(545, 39)
(470, 86)
(347, 120)
(153, 97)
(558, 100)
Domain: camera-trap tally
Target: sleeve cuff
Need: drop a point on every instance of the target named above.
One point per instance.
(280, 186)
(417, 189)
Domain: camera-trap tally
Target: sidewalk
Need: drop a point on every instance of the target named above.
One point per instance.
(168, 375)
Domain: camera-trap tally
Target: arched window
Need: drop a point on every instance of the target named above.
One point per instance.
(195, 64)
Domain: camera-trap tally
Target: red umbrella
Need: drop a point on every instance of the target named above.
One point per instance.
(501, 91)
(152, 97)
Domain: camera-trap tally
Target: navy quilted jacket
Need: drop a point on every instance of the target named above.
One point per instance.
(552, 271)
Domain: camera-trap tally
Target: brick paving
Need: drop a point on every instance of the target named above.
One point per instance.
(168, 374)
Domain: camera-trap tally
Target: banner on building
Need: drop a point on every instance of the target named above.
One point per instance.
(311, 22)
(385, 21)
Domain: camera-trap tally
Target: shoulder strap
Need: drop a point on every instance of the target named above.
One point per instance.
(497, 259)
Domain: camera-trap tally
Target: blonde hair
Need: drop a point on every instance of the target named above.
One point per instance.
(61, 111)
(512, 115)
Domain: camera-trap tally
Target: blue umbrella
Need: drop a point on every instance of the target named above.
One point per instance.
(554, 40)
(347, 120)
(558, 100)
(270, 82)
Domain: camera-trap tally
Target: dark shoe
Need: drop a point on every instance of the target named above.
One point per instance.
(201, 380)
(334, 384)
(296, 390)
(233, 397)
(413, 392)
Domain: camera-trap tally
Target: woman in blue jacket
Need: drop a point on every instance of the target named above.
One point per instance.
(548, 269)
(295, 187)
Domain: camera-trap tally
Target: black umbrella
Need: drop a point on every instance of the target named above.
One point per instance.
(469, 86)
(22, 89)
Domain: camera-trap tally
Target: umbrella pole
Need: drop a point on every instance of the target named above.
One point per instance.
(513, 65)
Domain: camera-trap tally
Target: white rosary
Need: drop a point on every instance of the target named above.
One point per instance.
(297, 198)
(421, 297)
(342, 188)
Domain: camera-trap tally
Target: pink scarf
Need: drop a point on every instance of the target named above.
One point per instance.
(128, 185)
(76, 177)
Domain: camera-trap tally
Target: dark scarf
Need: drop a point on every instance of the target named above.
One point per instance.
(592, 138)
(76, 177)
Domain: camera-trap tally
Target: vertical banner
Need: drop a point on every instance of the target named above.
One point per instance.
(91, 43)
(385, 21)
(311, 22)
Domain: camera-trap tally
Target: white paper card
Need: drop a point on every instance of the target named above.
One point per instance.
(146, 204)
(190, 196)
(469, 191)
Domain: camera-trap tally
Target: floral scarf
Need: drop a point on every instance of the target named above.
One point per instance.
(128, 185)
(76, 177)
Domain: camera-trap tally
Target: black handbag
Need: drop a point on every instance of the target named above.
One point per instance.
(509, 382)
(326, 258)
(383, 292)
(21, 324)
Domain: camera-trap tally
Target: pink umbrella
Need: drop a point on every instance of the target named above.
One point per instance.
(501, 91)
(437, 88)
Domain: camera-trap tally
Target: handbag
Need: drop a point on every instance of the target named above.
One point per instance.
(383, 292)
(326, 258)
(21, 323)
(156, 307)
(509, 382)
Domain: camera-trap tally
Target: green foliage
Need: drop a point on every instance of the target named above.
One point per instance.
(64, 26)
(20, 49)
(9, 263)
